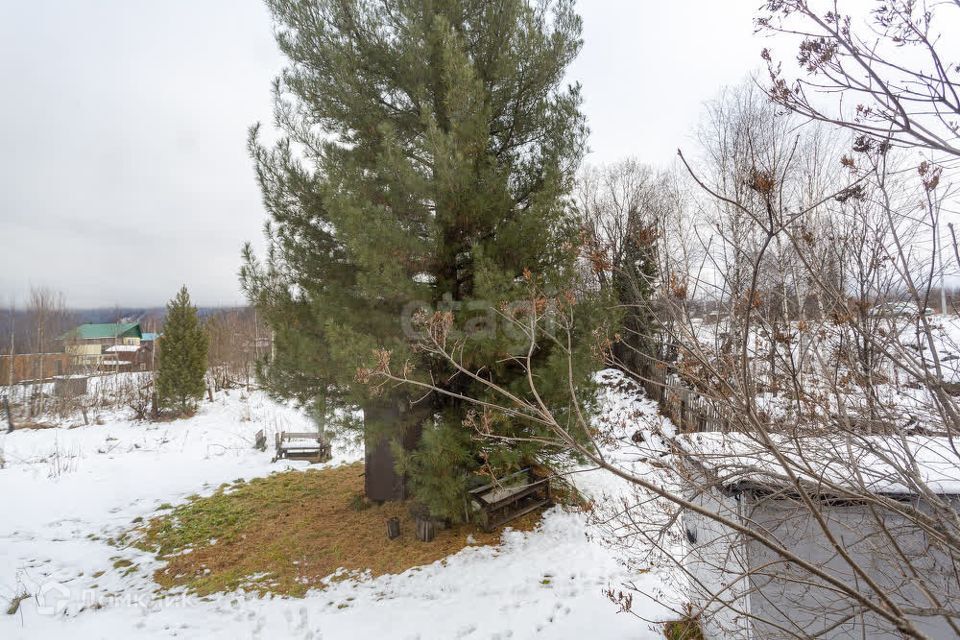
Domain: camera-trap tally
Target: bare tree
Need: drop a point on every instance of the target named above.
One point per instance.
(13, 338)
(8, 409)
(46, 313)
(621, 208)
(891, 77)
(237, 344)
(888, 75)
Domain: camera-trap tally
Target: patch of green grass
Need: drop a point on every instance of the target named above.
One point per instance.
(224, 515)
(122, 563)
(359, 502)
(288, 533)
(196, 522)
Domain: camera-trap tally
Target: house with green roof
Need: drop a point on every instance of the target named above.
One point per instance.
(94, 345)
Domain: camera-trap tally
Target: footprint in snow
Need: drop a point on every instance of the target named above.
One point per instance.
(258, 629)
(304, 620)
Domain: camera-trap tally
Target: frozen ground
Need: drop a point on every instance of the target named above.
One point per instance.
(65, 493)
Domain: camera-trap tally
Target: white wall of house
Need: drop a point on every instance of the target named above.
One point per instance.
(803, 605)
(716, 561)
(793, 602)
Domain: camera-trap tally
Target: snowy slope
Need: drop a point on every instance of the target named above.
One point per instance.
(65, 492)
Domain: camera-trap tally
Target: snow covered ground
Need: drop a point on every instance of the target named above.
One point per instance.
(67, 493)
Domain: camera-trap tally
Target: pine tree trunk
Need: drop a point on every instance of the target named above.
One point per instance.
(383, 424)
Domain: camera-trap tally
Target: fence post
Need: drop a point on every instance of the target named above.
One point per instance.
(393, 528)
(9, 412)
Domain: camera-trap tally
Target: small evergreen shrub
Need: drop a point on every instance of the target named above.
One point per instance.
(182, 356)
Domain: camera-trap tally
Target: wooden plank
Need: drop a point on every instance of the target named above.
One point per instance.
(294, 435)
(500, 482)
(516, 496)
(516, 514)
(426, 529)
(500, 502)
(315, 453)
(393, 528)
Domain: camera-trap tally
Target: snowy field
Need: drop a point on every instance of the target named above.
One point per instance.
(67, 493)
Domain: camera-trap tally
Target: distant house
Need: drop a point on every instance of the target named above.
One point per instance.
(126, 357)
(88, 344)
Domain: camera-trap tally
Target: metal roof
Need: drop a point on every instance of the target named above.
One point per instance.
(105, 330)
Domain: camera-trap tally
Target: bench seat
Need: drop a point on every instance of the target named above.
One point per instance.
(301, 446)
(511, 497)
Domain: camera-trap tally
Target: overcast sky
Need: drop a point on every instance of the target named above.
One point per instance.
(123, 168)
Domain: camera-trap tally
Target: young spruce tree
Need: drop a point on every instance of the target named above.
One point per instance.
(427, 152)
(182, 355)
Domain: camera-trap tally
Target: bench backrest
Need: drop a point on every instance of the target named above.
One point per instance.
(507, 485)
(292, 435)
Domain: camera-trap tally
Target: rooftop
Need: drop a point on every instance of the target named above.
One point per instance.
(104, 330)
(908, 465)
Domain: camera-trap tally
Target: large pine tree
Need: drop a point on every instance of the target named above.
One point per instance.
(427, 150)
(182, 355)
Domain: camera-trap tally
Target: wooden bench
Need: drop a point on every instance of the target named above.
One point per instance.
(510, 497)
(301, 446)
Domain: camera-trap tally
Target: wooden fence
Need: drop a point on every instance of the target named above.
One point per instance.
(689, 409)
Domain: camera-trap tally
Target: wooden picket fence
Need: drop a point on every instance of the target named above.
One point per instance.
(686, 407)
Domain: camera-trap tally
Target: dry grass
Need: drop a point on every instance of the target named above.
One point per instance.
(287, 532)
(15, 603)
(687, 628)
